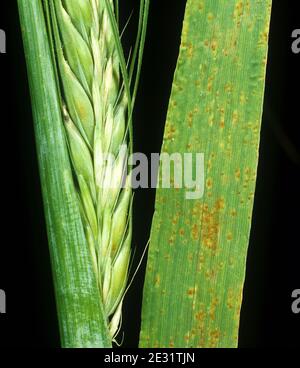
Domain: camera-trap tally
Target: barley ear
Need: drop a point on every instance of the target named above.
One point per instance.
(96, 86)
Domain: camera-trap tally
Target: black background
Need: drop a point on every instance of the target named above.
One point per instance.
(273, 258)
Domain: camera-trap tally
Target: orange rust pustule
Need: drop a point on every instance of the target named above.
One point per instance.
(191, 291)
(214, 338)
(195, 232)
(211, 225)
(200, 316)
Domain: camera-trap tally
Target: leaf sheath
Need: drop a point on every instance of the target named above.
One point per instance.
(80, 312)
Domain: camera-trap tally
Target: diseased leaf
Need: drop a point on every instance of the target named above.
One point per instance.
(198, 247)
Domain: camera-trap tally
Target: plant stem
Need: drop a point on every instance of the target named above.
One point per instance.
(80, 312)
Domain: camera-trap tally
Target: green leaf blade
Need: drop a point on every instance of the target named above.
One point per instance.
(198, 248)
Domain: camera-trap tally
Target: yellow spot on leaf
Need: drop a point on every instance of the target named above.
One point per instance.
(210, 17)
(209, 183)
(229, 236)
(235, 117)
(212, 308)
(157, 280)
(201, 6)
(239, 9)
(191, 291)
(233, 213)
(214, 338)
(195, 231)
(237, 174)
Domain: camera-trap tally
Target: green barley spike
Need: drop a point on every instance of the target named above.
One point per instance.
(89, 70)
